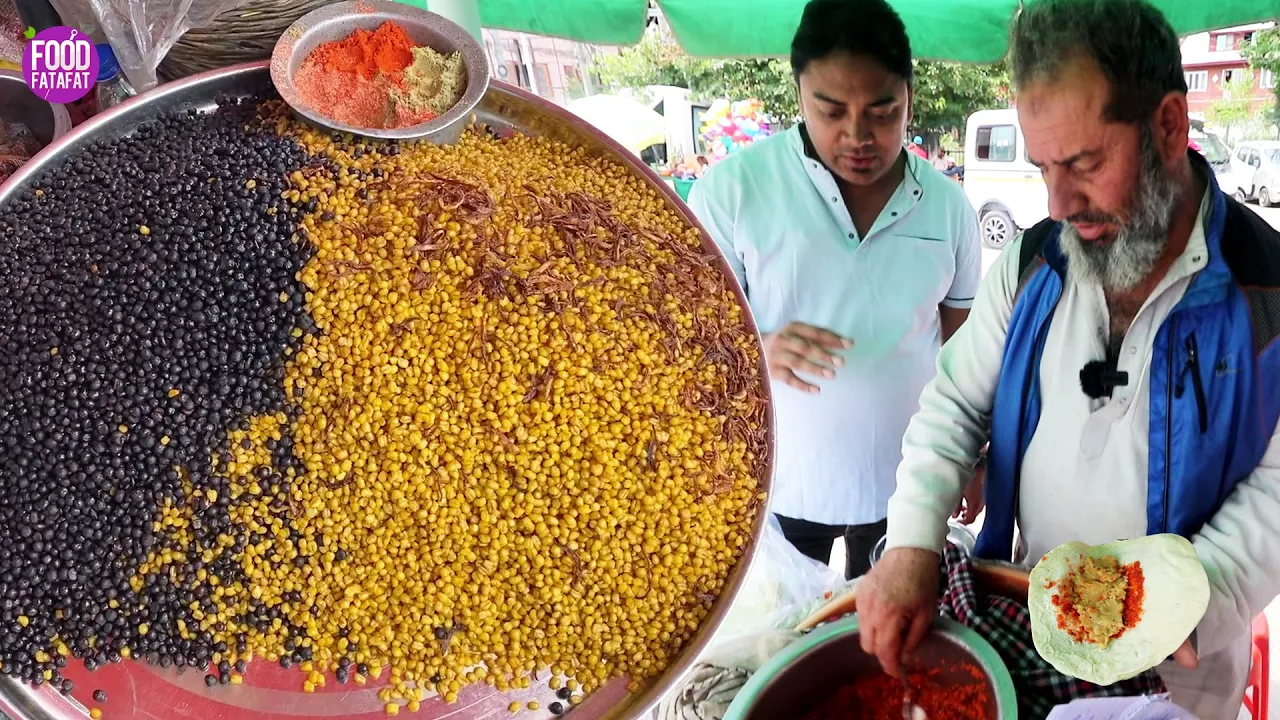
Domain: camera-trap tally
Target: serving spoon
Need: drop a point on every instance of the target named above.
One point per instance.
(910, 710)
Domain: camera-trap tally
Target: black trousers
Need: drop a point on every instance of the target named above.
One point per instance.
(814, 540)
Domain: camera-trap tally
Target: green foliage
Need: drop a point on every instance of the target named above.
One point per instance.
(1264, 54)
(1236, 104)
(658, 60)
(946, 93)
(652, 61)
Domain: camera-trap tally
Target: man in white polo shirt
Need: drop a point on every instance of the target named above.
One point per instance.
(858, 260)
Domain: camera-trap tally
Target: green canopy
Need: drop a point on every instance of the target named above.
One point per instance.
(964, 30)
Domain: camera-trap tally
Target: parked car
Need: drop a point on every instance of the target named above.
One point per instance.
(1255, 172)
(1007, 190)
(1004, 187)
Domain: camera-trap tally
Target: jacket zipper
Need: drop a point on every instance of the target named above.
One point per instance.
(1197, 385)
(1192, 368)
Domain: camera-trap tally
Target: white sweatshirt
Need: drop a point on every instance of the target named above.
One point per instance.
(1084, 476)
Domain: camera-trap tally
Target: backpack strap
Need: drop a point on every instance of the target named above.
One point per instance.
(1251, 249)
(1031, 252)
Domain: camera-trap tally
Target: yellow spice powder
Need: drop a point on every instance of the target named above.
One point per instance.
(433, 81)
(1095, 600)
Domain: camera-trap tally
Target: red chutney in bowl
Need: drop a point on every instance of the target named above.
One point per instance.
(965, 695)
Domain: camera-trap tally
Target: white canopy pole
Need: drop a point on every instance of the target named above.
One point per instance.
(464, 12)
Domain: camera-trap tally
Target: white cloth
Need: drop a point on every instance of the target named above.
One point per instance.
(1086, 474)
(720, 675)
(779, 218)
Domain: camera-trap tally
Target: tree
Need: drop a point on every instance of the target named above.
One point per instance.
(658, 60)
(1263, 53)
(1236, 104)
(946, 93)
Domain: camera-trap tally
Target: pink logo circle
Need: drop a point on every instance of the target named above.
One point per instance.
(60, 64)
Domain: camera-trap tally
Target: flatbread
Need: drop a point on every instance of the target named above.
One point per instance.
(1175, 596)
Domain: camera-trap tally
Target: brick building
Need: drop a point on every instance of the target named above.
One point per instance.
(1210, 59)
(556, 69)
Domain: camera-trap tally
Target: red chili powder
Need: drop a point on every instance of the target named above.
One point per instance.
(345, 97)
(350, 80)
(385, 50)
(881, 697)
(1133, 595)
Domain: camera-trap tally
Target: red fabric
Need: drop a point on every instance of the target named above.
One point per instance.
(1256, 699)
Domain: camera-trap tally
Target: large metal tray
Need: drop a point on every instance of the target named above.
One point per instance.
(269, 692)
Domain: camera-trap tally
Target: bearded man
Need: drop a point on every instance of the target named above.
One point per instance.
(1122, 354)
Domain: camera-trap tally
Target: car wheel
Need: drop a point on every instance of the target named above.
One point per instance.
(997, 228)
(1264, 197)
(1239, 196)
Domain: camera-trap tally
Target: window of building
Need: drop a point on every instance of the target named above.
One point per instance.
(514, 73)
(543, 75)
(1228, 76)
(1266, 80)
(573, 81)
(1223, 42)
(1197, 80)
(997, 143)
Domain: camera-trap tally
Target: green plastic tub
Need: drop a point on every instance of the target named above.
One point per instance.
(814, 667)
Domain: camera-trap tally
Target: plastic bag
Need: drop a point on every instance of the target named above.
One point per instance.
(782, 588)
(140, 31)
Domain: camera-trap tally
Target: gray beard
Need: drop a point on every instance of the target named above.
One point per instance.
(1127, 260)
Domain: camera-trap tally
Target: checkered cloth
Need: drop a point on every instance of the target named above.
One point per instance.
(1006, 624)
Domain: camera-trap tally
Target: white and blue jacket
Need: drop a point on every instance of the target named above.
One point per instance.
(1215, 376)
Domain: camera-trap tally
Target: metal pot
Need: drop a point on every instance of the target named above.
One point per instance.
(813, 668)
(18, 104)
(957, 534)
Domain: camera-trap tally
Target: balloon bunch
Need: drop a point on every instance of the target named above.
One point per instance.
(729, 127)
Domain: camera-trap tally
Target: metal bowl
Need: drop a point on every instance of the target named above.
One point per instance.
(813, 668)
(957, 535)
(18, 104)
(336, 21)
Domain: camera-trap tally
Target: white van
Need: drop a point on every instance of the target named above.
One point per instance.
(1007, 190)
(1004, 187)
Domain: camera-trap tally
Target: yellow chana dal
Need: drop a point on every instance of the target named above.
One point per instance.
(530, 420)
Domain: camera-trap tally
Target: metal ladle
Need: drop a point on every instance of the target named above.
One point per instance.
(910, 710)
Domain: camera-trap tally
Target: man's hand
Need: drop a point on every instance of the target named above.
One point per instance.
(1186, 656)
(803, 348)
(971, 503)
(897, 602)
